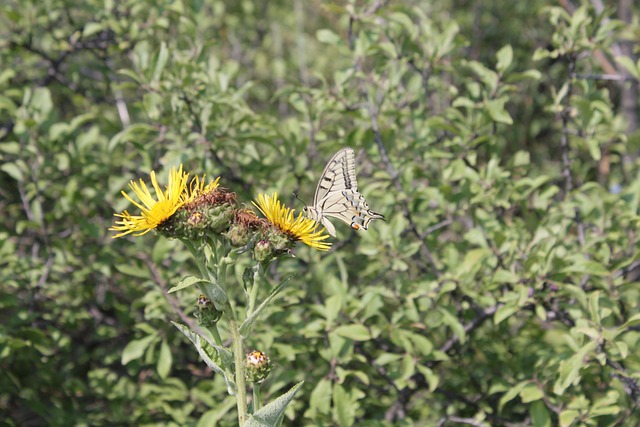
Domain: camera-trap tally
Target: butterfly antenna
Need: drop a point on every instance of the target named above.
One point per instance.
(296, 196)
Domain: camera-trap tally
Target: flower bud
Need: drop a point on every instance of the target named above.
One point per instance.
(257, 366)
(262, 251)
(205, 311)
(238, 235)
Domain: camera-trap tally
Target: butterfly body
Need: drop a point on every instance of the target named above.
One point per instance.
(337, 195)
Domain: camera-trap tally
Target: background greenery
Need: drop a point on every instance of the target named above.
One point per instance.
(498, 138)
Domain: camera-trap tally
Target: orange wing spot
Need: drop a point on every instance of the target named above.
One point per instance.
(355, 226)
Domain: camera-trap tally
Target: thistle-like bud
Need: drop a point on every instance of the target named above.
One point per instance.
(205, 311)
(262, 251)
(219, 217)
(280, 241)
(257, 366)
(238, 235)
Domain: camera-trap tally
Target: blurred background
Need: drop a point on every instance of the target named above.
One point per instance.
(498, 138)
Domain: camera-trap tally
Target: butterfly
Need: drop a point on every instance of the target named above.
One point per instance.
(337, 195)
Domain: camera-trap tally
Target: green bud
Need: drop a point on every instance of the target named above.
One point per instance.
(205, 311)
(238, 235)
(262, 251)
(257, 366)
(280, 241)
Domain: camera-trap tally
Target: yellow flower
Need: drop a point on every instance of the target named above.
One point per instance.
(153, 212)
(299, 228)
(197, 187)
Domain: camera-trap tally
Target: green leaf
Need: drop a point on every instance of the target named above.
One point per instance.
(163, 57)
(328, 37)
(539, 414)
(136, 348)
(271, 414)
(568, 416)
(165, 360)
(92, 28)
(214, 356)
(13, 171)
(453, 322)
(504, 312)
(632, 68)
(354, 332)
(504, 276)
(584, 266)
(570, 368)
(497, 111)
(505, 57)
(594, 306)
(511, 394)
(248, 322)
(344, 411)
(530, 393)
(187, 281)
(631, 322)
(320, 399)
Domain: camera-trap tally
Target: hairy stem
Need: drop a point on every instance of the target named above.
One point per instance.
(238, 357)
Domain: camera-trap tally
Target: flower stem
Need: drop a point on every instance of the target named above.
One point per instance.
(256, 397)
(238, 356)
(216, 335)
(253, 295)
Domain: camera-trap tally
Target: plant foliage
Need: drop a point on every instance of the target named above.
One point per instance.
(499, 139)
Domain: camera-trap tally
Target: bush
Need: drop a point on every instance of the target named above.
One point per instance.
(500, 141)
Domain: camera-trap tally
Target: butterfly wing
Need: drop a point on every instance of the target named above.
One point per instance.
(337, 195)
(338, 175)
(350, 207)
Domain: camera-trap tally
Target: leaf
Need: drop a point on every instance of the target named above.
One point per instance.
(631, 67)
(271, 414)
(13, 171)
(591, 267)
(136, 348)
(570, 368)
(539, 414)
(503, 312)
(594, 306)
(531, 393)
(453, 322)
(185, 282)
(631, 322)
(505, 57)
(163, 57)
(165, 360)
(214, 356)
(504, 276)
(497, 111)
(354, 332)
(92, 28)
(327, 36)
(511, 394)
(567, 417)
(320, 399)
(246, 325)
(343, 406)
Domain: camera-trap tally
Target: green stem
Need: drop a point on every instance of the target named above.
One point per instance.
(238, 356)
(256, 397)
(253, 295)
(201, 267)
(216, 335)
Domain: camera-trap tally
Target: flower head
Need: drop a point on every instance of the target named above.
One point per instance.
(154, 210)
(197, 187)
(298, 228)
(257, 365)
